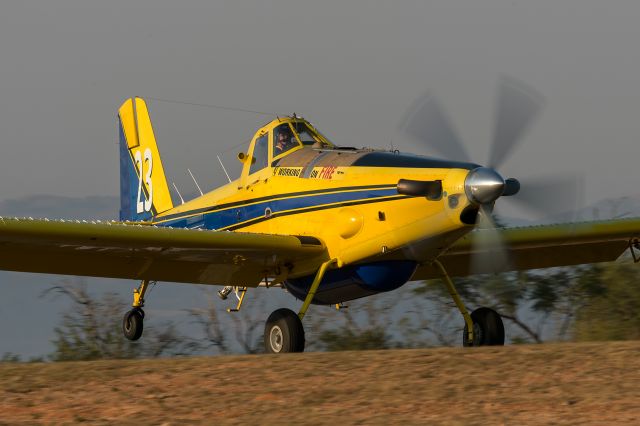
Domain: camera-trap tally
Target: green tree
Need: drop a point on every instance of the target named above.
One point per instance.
(610, 312)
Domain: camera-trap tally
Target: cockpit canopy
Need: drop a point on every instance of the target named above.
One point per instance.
(281, 137)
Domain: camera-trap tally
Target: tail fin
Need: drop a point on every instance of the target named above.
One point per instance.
(143, 186)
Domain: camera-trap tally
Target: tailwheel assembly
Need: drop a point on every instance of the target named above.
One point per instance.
(488, 329)
(283, 332)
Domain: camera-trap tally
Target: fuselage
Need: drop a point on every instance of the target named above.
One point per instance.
(347, 198)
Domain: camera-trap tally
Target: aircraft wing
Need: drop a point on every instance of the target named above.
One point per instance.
(136, 251)
(541, 247)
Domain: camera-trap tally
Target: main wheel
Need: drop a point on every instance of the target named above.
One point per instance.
(283, 332)
(488, 329)
(132, 324)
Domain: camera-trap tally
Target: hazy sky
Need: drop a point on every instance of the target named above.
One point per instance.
(350, 67)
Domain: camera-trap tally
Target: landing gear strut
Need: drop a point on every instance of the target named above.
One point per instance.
(283, 331)
(483, 327)
(133, 321)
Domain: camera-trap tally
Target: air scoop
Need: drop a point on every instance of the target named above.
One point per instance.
(484, 185)
(432, 189)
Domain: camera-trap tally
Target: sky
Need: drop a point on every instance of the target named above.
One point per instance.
(351, 68)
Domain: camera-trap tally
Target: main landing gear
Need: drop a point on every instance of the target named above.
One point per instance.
(132, 323)
(283, 331)
(483, 327)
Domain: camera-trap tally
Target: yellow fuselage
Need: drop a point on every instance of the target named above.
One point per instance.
(353, 208)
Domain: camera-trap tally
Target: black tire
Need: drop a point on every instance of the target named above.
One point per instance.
(488, 329)
(132, 324)
(283, 332)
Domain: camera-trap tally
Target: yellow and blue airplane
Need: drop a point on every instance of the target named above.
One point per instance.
(327, 223)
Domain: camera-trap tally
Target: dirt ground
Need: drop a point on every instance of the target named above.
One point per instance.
(587, 383)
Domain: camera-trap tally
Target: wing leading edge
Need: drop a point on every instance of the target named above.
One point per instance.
(135, 251)
(542, 247)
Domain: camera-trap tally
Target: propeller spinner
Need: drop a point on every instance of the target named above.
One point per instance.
(484, 185)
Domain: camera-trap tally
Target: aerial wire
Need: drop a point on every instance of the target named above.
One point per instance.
(172, 101)
(197, 104)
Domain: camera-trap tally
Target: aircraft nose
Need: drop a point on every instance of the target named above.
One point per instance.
(483, 185)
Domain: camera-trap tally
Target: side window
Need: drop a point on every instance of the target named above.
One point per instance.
(260, 156)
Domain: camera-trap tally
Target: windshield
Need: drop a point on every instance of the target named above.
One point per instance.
(308, 136)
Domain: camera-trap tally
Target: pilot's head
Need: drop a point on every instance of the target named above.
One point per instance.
(284, 134)
(284, 138)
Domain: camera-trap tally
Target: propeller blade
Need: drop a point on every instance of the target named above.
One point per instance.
(555, 198)
(489, 253)
(516, 109)
(427, 122)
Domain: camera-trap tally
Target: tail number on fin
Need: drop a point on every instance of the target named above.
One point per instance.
(144, 205)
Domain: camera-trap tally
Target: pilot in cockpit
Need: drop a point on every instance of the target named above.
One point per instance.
(284, 140)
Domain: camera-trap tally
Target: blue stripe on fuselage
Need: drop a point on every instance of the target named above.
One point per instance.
(226, 218)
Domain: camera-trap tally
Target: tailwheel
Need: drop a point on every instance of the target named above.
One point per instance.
(488, 329)
(283, 332)
(132, 324)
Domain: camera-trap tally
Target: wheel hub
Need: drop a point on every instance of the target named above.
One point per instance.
(276, 338)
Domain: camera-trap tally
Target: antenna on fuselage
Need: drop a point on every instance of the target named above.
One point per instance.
(179, 195)
(225, 170)
(195, 181)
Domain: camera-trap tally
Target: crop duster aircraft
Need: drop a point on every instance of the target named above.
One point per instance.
(327, 223)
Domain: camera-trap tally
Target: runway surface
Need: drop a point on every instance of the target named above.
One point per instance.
(586, 383)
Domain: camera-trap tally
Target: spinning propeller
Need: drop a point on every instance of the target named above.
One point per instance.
(517, 107)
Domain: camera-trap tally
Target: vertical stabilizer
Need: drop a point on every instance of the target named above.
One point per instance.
(143, 186)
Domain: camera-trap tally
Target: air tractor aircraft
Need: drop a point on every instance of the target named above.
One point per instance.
(326, 222)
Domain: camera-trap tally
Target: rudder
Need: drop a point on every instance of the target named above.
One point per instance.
(143, 185)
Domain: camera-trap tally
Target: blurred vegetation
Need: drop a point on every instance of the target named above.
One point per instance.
(587, 302)
(221, 335)
(346, 339)
(92, 329)
(10, 357)
(356, 329)
(611, 312)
